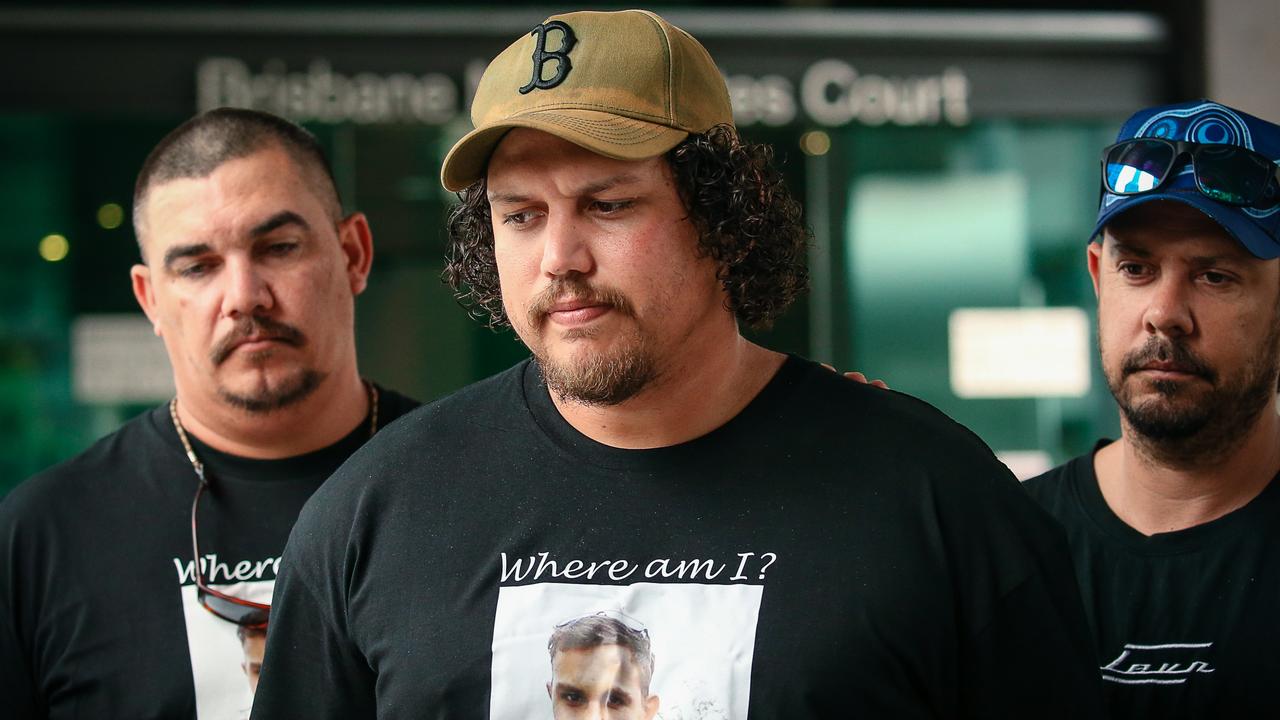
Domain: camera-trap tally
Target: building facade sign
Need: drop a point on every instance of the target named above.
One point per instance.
(826, 68)
(319, 93)
(829, 92)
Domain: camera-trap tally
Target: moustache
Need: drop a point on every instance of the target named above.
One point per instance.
(255, 326)
(1158, 349)
(579, 289)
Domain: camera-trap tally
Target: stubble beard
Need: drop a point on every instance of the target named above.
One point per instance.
(591, 378)
(1184, 426)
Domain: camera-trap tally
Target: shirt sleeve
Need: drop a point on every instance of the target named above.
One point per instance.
(312, 667)
(16, 684)
(1026, 648)
(18, 691)
(1035, 657)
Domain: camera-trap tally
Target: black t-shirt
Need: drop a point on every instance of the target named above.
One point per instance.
(1184, 621)
(98, 616)
(834, 550)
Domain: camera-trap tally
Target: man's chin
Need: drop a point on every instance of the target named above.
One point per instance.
(597, 379)
(1159, 417)
(1166, 421)
(264, 393)
(580, 351)
(1175, 390)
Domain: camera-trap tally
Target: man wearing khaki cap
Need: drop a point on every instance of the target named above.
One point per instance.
(798, 545)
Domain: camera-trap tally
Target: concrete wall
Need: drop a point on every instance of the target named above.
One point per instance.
(1242, 49)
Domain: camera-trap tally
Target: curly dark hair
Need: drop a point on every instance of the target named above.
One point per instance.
(745, 217)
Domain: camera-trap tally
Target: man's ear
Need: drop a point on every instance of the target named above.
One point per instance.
(1093, 255)
(650, 707)
(144, 293)
(357, 247)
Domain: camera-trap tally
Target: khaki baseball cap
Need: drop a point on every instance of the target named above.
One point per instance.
(627, 85)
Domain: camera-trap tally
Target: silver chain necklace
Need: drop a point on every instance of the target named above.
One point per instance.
(199, 466)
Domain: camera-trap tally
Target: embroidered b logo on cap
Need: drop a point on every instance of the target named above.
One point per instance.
(541, 56)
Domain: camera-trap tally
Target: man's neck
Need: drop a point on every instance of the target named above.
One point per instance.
(317, 421)
(697, 393)
(1154, 495)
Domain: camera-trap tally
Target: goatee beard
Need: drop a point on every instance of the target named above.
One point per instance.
(267, 398)
(1185, 428)
(601, 379)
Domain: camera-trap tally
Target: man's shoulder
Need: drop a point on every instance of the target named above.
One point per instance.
(866, 417)
(1052, 480)
(393, 405)
(480, 403)
(413, 444)
(78, 480)
(1055, 480)
(402, 466)
(1057, 489)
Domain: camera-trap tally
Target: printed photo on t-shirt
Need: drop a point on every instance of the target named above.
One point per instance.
(226, 658)
(624, 652)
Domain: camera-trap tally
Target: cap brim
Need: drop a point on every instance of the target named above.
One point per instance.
(613, 136)
(1232, 219)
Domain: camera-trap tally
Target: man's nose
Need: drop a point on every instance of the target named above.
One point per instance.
(1168, 311)
(246, 291)
(565, 247)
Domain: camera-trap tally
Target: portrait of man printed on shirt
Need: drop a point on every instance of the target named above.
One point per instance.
(601, 667)
(253, 641)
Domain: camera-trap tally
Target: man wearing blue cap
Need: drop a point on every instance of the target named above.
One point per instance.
(1173, 527)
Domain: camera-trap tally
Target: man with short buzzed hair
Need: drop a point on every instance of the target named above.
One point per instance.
(203, 144)
(129, 568)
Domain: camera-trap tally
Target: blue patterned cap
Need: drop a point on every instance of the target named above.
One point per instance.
(1204, 121)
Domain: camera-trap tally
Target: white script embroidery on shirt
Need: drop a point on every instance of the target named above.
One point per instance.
(1168, 664)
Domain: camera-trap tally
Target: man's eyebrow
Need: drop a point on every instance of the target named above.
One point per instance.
(607, 183)
(277, 221)
(507, 198)
(177, 252)
(623, 694)
(1119, 248)
(513, 198)
(1219, 260)
(281, 219)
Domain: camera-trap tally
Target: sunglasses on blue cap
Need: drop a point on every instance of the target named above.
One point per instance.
(1229, 174)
